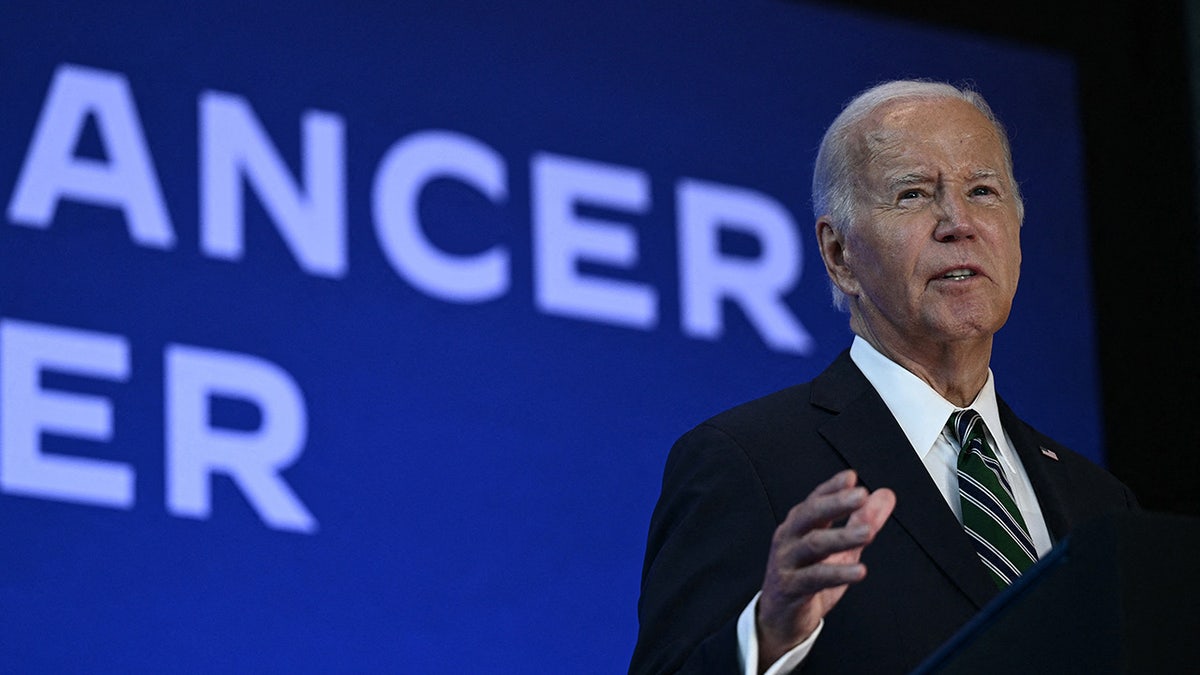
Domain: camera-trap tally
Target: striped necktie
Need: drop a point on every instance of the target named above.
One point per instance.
(989, 511)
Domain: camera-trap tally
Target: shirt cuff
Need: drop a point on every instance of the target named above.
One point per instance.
(747, 632)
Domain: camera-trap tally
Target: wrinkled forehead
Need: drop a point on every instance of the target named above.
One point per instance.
(949, 132)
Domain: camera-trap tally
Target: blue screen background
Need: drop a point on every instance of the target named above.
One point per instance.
(483, 474)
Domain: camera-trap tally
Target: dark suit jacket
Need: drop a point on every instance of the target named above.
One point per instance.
(731, 481)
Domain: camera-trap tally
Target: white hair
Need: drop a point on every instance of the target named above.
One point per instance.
(833, 187)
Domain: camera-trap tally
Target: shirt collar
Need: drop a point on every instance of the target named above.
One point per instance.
(921, 412)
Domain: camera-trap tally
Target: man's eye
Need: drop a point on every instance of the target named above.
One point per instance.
(982, 191)
(910, 194)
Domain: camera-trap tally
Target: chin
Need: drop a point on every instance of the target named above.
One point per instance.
(960, 327)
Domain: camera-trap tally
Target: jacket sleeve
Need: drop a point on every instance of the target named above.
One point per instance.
(706, 553)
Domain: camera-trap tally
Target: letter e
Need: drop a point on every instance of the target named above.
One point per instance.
(27, 411)
(563, 238)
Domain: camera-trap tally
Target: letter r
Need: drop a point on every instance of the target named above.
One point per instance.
(253, 459)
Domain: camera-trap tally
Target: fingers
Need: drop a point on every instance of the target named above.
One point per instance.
(874, 511)
(812, 579)
(811, 563)
(832, 500)
(806, 536)
(819, 544)
(840, 480)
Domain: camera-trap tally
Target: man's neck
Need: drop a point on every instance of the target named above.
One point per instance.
(957, 370)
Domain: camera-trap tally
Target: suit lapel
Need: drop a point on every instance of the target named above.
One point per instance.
(866, 435)
(1047, 476)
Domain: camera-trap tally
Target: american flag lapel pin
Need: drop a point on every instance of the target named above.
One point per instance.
(1050, 453)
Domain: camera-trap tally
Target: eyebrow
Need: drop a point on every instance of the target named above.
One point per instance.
(917, 178)
(908, 179)
(984, 173)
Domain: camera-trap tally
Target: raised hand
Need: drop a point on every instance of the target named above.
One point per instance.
(812, 562)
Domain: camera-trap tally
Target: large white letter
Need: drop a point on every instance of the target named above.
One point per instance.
(196, 449)
(312, 221)
(27, 411)
(757, 284)
(407, 167)
(563, 238)
(53, 172)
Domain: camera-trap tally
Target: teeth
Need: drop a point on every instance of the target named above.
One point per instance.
(958, 274)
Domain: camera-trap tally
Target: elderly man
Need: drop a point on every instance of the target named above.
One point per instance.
(854, 523)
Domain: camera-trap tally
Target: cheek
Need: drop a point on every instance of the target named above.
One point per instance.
(1016, 258)
(873, 251)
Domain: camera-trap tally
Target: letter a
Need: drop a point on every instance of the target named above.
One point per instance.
(125, 180)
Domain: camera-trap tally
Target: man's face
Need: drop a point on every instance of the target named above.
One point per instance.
(934, 254)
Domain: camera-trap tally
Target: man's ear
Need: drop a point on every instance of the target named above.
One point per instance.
(833, 253)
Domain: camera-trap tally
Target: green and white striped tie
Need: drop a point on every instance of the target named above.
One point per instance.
(989, 510)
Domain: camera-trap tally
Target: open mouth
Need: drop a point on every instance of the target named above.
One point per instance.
(958, 274)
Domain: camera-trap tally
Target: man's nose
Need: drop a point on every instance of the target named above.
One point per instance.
(953, 218)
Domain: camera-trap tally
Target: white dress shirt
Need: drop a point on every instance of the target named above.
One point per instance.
(922, 414)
